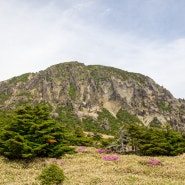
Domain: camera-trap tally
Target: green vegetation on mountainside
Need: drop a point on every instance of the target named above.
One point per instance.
(21, 78)
(101, 73)
(106, 123)
(30, 132)
(162, 105)
(4, 97)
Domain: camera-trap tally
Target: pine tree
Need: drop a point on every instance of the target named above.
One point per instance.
(32, 133)
(149, 141)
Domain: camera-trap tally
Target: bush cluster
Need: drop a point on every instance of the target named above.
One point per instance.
(31, 132)
(149, 141)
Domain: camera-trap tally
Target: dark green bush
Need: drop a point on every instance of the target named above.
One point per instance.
(162, 105)
(32, 133)
(81, 141)
(106, 142)
(97, 137)
(150, 141)
(51, 175)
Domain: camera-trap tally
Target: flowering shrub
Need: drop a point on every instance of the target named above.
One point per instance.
(154, 162)
(101, 151)
(80, 149)
(54, 160)
(151, 161)
(110, 158)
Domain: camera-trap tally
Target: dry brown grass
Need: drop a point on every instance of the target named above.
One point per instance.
(88, 168)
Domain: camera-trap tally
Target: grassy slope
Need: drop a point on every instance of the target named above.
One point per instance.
(89, 168)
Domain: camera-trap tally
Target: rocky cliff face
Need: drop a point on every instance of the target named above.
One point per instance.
(89, 89)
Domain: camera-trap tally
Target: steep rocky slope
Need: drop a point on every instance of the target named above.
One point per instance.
(89, 89)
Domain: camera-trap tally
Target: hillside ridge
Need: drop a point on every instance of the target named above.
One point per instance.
(93, 88)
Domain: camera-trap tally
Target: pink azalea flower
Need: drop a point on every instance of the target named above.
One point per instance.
(110, 158)
(154, 162)
(80, 149)
(101, 151)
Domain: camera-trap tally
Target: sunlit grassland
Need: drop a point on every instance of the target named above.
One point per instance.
(89, 168)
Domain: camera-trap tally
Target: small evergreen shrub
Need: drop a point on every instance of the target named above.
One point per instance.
(106, 142)
(162, 105)
(80, 141)
(155, 123)
(51, 175)
(97, 137)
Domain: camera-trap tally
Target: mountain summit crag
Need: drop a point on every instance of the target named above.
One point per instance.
(90, 89)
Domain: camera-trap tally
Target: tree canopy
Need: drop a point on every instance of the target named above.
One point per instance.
(149, 141)
(32, 132)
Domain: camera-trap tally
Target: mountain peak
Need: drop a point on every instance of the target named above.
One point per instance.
(91, 89)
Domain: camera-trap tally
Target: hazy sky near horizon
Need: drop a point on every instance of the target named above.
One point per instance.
(143, 36)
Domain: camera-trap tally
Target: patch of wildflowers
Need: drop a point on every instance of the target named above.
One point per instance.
(110, 158)
(54, 160)
(101, 151)
(80, 149)
(154, 162)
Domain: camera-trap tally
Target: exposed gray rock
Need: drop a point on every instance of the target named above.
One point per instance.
(91, 88)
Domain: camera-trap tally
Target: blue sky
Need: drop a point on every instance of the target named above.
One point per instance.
(144, 36)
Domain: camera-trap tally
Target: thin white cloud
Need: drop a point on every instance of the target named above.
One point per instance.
(33, 38)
